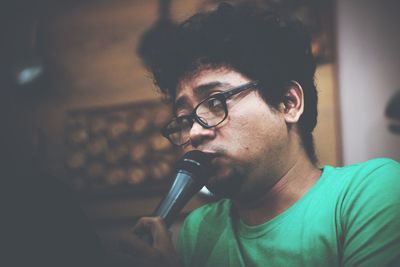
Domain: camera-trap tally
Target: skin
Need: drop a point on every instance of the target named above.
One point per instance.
(258, 157)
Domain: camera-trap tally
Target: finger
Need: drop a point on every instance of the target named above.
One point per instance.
(153, 224)
(156, 226)
(159, 232)
(142, 229)
(162, 243)
(143, 223)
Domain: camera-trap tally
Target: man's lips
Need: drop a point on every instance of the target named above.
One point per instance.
(211, 155)
(210, 152)
(219, 164)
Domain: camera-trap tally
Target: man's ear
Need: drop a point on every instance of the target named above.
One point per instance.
(292, 105)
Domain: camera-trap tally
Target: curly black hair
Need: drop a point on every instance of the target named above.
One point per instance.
(253, 41)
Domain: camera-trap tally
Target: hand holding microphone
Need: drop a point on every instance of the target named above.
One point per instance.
(192, 173)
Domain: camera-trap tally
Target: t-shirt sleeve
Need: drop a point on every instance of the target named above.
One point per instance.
(371, 216)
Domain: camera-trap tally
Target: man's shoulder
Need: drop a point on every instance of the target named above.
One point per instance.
(364, 182)
(370, 168)
(373, 164)
(361, 179)
(369, 210)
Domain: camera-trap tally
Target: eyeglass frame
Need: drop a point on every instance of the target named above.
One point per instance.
(193, 117)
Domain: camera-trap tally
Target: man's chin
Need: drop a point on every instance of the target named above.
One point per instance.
(225, 186)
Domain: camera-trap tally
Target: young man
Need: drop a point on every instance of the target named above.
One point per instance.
(243, 90)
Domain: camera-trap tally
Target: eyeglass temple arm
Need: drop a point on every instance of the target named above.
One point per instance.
(237, 90)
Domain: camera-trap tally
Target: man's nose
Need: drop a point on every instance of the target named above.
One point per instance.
(198, 134)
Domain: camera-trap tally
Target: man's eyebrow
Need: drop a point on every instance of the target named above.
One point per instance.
(203, 89)
(200, 92)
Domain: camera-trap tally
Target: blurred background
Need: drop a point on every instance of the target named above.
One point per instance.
(78, 107)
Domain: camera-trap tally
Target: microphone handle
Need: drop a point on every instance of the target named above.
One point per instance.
(182, 190)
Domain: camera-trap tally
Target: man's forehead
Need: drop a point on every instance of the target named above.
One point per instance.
(197, 86)
(200, 78)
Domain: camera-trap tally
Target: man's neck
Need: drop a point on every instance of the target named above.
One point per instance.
(294, 183)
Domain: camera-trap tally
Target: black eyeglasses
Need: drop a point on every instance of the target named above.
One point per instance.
(209, 113)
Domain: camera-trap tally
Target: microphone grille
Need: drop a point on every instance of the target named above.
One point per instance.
(196, 162)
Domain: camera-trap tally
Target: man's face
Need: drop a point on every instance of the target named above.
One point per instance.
(248, 146)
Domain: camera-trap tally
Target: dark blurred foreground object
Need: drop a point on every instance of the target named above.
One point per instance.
(44, 226)
(393, 113)
(29, 67)
(23, 45)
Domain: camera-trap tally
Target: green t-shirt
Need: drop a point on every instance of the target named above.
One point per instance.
(350, 217)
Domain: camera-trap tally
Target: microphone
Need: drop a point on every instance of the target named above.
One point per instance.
(192, 173)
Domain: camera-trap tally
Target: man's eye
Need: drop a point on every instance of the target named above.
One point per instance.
(213, 103)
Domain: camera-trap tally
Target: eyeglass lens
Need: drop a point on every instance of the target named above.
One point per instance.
(211, 111)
